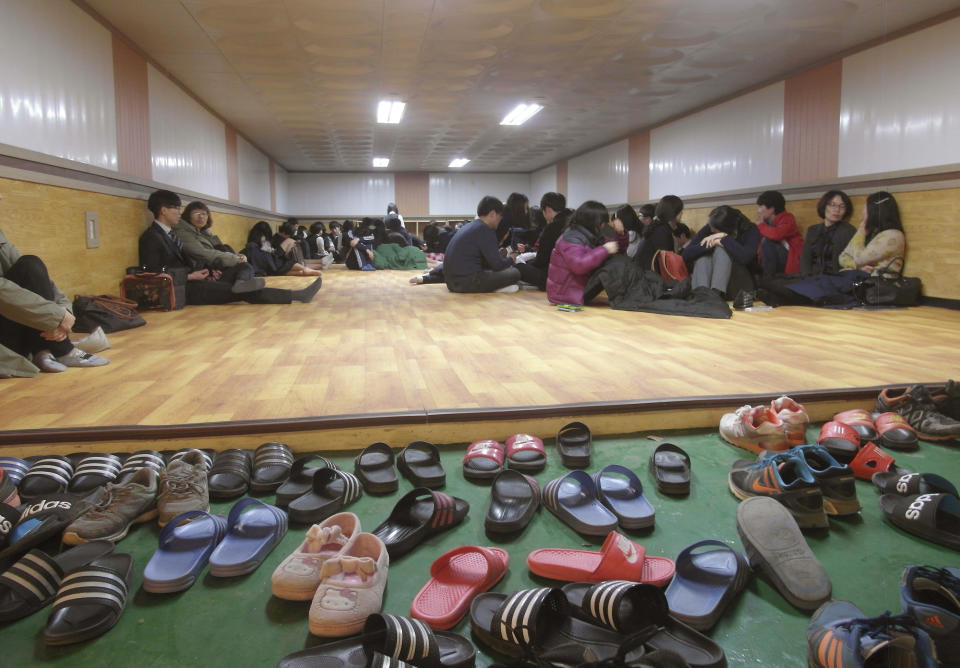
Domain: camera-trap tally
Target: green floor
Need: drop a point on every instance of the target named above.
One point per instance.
(236, 622)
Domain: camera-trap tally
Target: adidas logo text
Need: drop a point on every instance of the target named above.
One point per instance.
(44, 505)
(913, 512)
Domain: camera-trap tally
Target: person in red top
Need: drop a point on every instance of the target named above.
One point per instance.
(782, 242)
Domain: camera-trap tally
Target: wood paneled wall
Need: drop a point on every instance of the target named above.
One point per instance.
(562, 178)
(926, 216)
(48, 221)
(811, 124)
(412, 190)
(133, 111)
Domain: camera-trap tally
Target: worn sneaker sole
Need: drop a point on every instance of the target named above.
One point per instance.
(73, 538)
(776, 547)
(812, 519)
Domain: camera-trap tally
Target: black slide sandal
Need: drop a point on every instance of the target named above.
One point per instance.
(575, 443)
(670, 466)
(419, 463)
(300, 480)
(332, 491)
(514, 500)
(374, 466)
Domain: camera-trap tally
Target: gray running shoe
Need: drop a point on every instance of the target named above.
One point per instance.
(121, 506)
(77, 357)
(47, 363)
(183, 487)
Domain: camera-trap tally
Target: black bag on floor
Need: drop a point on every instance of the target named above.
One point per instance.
(111, 313)
(888, 288)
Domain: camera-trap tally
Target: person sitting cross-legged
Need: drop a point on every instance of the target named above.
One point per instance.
(473, 262)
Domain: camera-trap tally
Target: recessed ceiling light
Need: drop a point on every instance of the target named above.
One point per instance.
(521, 114)
(390, 111)
(458, 162)
(381, 162)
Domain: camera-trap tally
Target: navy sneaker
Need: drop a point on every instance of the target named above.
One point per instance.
(840, 636)
(786, 478)
(837, 482)
(932, 597)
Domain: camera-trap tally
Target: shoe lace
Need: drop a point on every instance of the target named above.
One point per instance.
(941, 576)
(180, 484)
(881, 627)
(113, 496)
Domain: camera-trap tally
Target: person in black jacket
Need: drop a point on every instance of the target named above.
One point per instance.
(726, 246)
(659, 234)
(160, 250)
(535, 271)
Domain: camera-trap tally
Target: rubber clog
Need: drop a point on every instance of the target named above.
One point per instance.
(935, 517)
(300, 480)
(619, 558)
(575, 443)
(186, 543)
(670, 466)
(332, 491)
(526, 453)
(483, 460)
(254, 529)
(389, 640)
(620, 490)
(514, 500)
(32, 582)
(90, 600)
(910, 484)
(419, 514)
(456, 577)
(642, 610)
(573, 499)
(375, 468)
(709, 576)
(420, 463)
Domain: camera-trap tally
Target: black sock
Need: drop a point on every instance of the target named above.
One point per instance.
(306, 294)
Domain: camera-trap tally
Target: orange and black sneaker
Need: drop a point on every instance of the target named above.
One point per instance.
(836, 481)
(786, 478)
(931, 596)
(840, 636)
(920, 411)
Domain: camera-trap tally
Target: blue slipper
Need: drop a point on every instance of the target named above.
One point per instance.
(186, 543)
(706, 582)
(620, 490)
(254, 530)
(573, 498)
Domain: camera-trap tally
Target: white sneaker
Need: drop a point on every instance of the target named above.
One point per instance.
(416, 280)
(46, 362)
(523, 285)
(77, 357)
(94, 342)
(509, 288)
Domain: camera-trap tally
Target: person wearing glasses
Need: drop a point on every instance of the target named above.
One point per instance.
(825, 241)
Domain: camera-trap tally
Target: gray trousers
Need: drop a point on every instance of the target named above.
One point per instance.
(484, 281)
(713, 270)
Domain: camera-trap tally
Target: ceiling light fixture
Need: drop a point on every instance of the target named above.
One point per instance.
(458, 162)
(521, 114)
(381, 162)
(390, 111)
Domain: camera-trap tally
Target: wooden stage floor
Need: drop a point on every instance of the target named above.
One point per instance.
(371, 343)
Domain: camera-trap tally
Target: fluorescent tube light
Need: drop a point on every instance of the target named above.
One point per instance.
(458, 162)
(521, 114)
(390, 111)
(381, 162)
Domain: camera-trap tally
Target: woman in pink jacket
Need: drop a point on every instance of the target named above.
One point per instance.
(577, 253)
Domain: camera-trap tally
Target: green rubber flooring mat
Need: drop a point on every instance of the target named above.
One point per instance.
(237, 622)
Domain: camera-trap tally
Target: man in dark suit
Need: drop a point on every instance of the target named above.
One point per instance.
(160, 249)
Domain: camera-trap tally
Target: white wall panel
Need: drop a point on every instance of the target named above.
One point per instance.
(599, 175)
(56, 82)
(188, 144)
(330, 194)
(736, 144)
(900, 105)
(542, 181)
(254, 175)
(280, 183)
(459, 194)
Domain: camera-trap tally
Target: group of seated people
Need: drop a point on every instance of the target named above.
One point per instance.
(556, 249)
(553, 249)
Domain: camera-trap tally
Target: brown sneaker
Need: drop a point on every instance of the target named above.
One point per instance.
(183, 487)
(919, 410)
(121, 506)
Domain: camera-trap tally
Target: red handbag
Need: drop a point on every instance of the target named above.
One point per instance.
(670, 265)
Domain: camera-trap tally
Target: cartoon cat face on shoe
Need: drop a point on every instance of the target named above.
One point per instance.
(338, 599)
